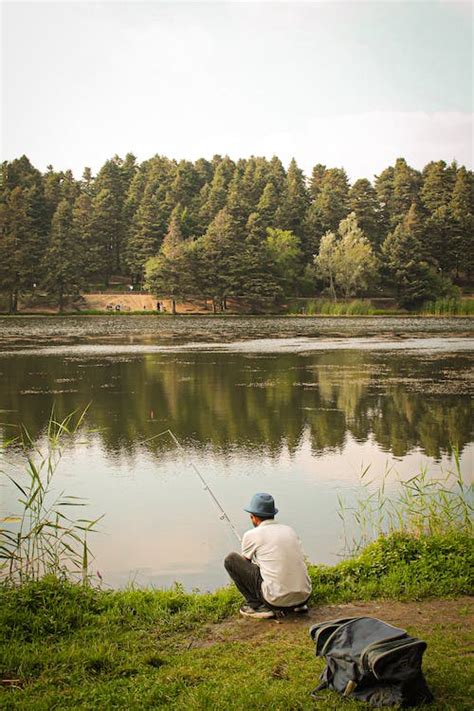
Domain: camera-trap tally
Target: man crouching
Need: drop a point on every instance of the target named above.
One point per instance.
(271, 573)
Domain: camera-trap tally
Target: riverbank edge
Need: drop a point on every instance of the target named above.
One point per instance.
(73, 646)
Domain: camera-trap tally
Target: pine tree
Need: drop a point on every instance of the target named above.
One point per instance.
(462, 212)
(437, 186)
(63, 259)
(277, 175)
(104, 221)
(406, 186)
(115, 177)
(256, 229)
(294, 202)
(69, 187)
(257, 281)
(412, 278)
(87, 182)
(238, 205)
(204, 171)
(268, 205)
(52, 193)
(317, 176)
(20, 173)
(439, 239)
(363, 202)
(165, 274)
(222, 244)
(384, 190)
(257, 277)
(135, 193)
(260, 179)
(185, 185)
(174, 237)
(217, 194)
(146, 233)
(19, 258)
(331, 204)
(83, 228)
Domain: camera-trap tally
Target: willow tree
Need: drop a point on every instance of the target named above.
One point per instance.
(346, 259)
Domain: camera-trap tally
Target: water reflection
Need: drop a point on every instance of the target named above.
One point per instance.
(250, 402)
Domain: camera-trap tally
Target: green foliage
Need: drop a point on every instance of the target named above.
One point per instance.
(290, 214)
(285, 252)
(397, 566)
(121, 217)
(62, 261)
(19, 267)
(323, 307)
(453, 306)
(412, 278)
(406, 186)
(346, 260)
(364, 204)
(400, 566)
(331, 202)
(419, 506)
(41, 539)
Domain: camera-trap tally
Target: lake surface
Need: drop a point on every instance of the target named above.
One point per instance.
(298, 407)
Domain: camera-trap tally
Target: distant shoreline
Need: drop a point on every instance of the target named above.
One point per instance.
(229, 314)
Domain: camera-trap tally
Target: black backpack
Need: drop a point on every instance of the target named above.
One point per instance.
(372, 661)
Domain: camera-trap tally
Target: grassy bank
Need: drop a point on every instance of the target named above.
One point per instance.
(65, 645)
(375, 307)
(461, 306)
(73, 645)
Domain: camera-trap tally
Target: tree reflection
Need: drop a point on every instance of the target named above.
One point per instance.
(254, 403)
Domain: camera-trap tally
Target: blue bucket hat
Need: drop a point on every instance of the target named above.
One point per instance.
(262, 505)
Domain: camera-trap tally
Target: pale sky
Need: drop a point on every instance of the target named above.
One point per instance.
(348, 84)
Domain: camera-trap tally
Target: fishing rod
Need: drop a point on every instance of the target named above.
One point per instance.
(222, 514)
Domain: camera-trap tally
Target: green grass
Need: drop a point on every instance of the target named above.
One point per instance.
(325, 307)
(70, 645)
(229, 675)
(449, 307)
(400, 566)
(76, 646)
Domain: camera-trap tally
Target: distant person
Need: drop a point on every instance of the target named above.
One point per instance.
(271, 573)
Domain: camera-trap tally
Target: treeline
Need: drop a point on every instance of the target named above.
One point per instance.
(248, 228)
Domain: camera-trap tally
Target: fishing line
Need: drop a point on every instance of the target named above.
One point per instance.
(222, 514)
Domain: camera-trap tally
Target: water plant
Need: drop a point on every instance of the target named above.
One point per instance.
(452, 306)
(422, 505)
(41, 539)
(326, 307)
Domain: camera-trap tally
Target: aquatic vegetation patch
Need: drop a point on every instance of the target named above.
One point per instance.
(43, 537)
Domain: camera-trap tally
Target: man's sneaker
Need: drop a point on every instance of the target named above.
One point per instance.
(260, 613)
(301, 608)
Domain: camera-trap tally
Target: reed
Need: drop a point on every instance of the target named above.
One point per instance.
(419, 506)
(42, 538)
(449, 307)
(325, 307)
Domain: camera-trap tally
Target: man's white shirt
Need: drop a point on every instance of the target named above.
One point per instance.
(277, 550)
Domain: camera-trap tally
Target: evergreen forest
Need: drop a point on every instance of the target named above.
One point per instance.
(248, 229)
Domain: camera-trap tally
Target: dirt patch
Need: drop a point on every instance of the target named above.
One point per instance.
(419, 617)
(146, 302)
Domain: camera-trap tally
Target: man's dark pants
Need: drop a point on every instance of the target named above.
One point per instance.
(246, 575)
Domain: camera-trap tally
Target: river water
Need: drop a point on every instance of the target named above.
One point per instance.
(298, 407)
